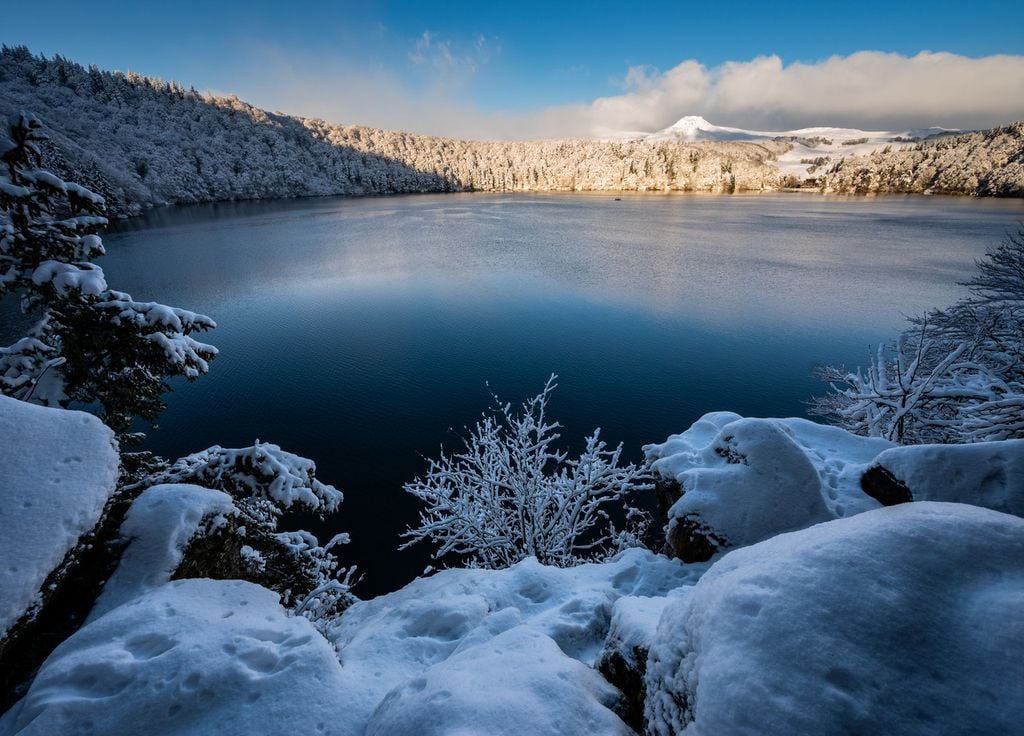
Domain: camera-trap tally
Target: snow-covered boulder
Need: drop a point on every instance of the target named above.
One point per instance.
(738, 481)
(400, 642)
(192, 657)
(989, 474)
(901, 620)
(58, 468)
(518, 682)
(160, 524)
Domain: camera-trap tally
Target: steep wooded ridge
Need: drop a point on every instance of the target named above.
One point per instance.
(986, 163)
(142, 141)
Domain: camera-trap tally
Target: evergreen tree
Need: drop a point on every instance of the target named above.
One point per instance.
(90, 344)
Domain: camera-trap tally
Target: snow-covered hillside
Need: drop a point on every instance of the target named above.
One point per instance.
(812, 148)
(141, 142)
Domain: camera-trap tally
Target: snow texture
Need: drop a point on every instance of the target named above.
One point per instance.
(197, 657)
(749, 479)
(989, 474)
(398, 650)
(57, 470)
(902, 620)
(160, 524)
(518, 682)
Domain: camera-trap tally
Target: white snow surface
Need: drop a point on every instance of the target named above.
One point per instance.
(57, 470)
(989, 474)
(749, 479)
(196, 657)
(160, 524)
(397, 650)
(518, 682)
(902, 620)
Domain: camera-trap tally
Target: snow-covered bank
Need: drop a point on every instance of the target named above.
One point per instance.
(902, 619)
(392, 646)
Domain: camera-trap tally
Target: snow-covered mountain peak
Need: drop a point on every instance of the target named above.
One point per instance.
(691, 122)
(691, 126)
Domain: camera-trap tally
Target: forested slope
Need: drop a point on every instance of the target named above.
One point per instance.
(142, 141)
(986, 163)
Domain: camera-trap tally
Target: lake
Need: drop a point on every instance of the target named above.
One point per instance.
(363, 333)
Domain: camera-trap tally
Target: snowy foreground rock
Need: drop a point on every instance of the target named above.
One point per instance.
(730, 481)
(192, 657)
(989, 474)
(735, 481)
(57, 470)
(903, 620)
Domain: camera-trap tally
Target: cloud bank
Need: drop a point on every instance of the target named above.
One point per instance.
(867, 89)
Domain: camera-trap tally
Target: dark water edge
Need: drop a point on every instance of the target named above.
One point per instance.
(362, 333)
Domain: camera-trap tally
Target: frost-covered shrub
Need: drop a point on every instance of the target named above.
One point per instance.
(957, 375)
(510, 494)
(90, 345)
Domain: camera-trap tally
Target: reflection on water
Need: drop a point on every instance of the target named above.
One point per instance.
(357, 332)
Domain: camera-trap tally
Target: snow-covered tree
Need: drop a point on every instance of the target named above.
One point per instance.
(510, 494)
(957, 375)
(90, 345)
(266, 482)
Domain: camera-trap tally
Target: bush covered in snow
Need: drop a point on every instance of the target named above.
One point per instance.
(510, 494)
(957, 375)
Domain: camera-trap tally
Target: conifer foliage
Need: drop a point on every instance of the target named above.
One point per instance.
(89, 344)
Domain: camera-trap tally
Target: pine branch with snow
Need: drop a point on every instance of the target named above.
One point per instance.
(91, 345)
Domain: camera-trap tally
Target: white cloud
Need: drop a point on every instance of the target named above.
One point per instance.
(867, 89)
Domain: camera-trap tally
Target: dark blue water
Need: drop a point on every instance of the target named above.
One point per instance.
(358, 332)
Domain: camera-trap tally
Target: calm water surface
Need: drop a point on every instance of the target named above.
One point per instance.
(358, 332)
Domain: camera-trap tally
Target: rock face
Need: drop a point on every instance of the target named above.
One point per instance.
(989, 474)
(902, 620)
(623, 661)
(58, 469)
(743, 480)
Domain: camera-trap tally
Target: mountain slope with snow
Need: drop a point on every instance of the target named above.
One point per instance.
(811, 148)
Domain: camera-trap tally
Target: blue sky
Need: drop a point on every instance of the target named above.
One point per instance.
(492, 62)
